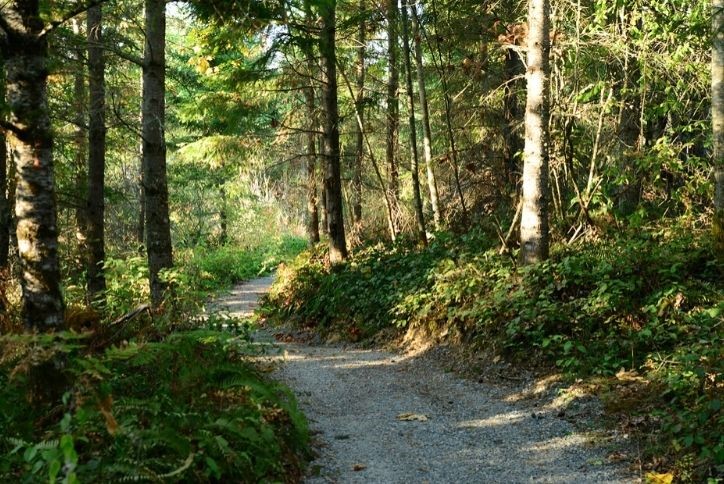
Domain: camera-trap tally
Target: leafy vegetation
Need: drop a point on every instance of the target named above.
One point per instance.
(647, 302)
(186, 407)
(152, 399)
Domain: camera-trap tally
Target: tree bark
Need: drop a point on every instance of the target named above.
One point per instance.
(80, 140)
(717, 115)
(26, 63)
(158, 227)
(96, 153)
(534, 218)
(415, 164)
(393, 111)
(359, 133)
(332, 175)
(141, 220)
(4, 202)
(427, 131)
(311, 162)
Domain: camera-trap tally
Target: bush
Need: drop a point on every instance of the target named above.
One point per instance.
(186, 408)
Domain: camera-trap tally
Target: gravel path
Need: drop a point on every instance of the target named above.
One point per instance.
(457, 431)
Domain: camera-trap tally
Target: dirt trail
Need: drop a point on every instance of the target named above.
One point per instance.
(458, 431)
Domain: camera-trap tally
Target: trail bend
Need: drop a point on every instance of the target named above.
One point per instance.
(457, 431)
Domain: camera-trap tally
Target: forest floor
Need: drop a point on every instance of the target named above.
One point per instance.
(379, 416)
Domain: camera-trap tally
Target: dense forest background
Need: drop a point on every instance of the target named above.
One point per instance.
(540, 181)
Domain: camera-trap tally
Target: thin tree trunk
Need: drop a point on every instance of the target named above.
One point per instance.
(717, 115)
(4, 202)
(96, 153)
(141, 221)
(80, 140)
(427, 131)
(359, 133)
(393, 111)
(332, 175)
(534, 218)
(371, 154)
(415, 165)
(31, 141)
(311, 162)
(158, 227)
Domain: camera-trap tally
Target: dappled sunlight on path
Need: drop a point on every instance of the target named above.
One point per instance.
(355, 400)
(380, 417)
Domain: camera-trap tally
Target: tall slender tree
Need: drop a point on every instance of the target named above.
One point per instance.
(534, 217)
(24, 42)
(332, 175)
(415, 159)
(96, 153)
(80, 135)
(425, 114)
(310, 165)
(360, 111)
(158, 226)
(4, 202)
(393, 111)
(717, 116)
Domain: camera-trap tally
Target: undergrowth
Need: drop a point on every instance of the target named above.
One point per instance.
(155, 395)
(648, 302)
(186, 408)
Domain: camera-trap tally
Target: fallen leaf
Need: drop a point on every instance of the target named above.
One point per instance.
(656, 478)
(409, 417)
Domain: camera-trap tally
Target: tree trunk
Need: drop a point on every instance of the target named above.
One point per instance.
(534, 218)
(359, 133)
(141, 220)
(4, 202)
(80, 140)
(717, 115)
(332, 175)
(31, 141)
(158, 227)
(311, 162)
(427, 132)
(96, 153)
(415, 164)
(393, 111)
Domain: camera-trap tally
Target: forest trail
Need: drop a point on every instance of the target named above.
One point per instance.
(380, 417)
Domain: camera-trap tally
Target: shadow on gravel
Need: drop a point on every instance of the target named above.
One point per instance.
(355, 398)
